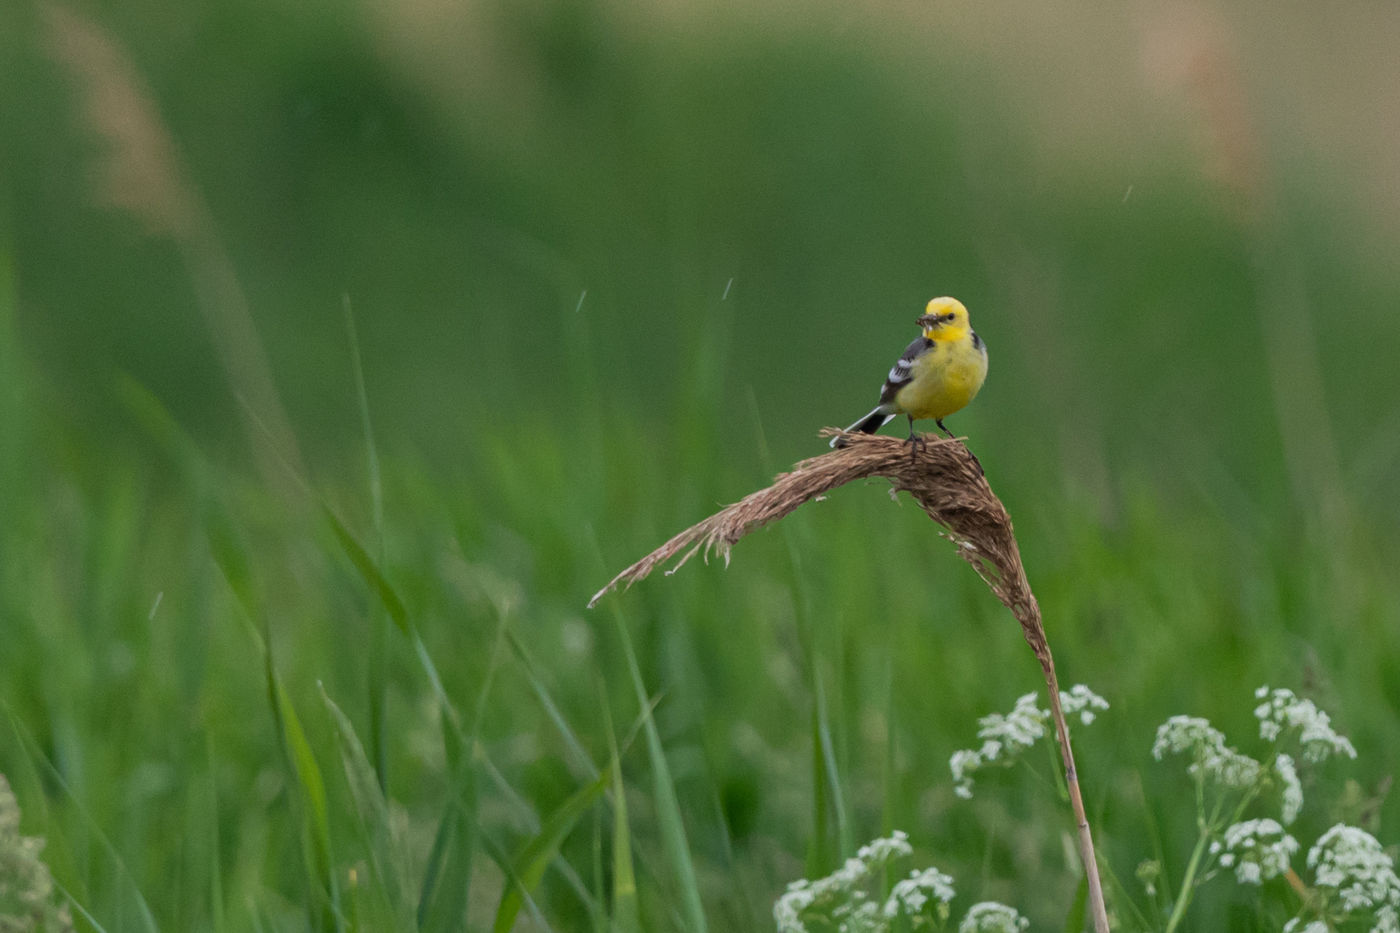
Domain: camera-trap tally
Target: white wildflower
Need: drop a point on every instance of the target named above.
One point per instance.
(1387, 920)
(962, 764)
(1292, 788)
(991, 917)
(914, 896)
(906, 898)
(879, 851)
(1082, 701)
(1003, 739)
(1352, 863)
(1020, 728)
(1211, 758)
(1315, 926)
(840, 897)
(787, 912)
(1258, 850)
(1186, 734)
(1231, 769)
(1283, 711)
(829, 896)
(861, 915)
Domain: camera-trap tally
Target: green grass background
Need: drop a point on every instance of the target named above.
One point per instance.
(610, 267)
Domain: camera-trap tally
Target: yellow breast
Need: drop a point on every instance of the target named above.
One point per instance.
(946, 378)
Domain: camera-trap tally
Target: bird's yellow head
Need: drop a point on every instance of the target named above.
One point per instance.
(944, 319)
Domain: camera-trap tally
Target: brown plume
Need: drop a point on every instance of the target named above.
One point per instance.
(948, 483)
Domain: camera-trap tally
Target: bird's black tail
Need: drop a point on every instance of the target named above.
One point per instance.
(871, 423)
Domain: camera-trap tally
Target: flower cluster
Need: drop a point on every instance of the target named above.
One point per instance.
(1082, 701)
(841, 896)
(841, 901)
(1258, 850)
(963, 763)
(1004, 737)
(1211, 758)
(912, 897)
(1018, 729)
(1281, 716)
(1282, 711)
(991, 917)
(1355, 881)
(1350, 862)
(26, 887)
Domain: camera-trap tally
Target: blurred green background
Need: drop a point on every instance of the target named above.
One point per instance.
(611, 265)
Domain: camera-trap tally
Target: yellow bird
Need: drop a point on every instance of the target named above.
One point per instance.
(939, 373)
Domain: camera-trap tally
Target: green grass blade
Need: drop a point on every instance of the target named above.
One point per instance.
(231, 557)
(845, 836)
(889, 768)
(820, 854)
(218, 912)
(376, 483)
(1078, 908)
(506, 865)
(369, 570)
(668, 810)
(442, 898)
(625, 909)
(598, 919)
(529, 865)
(1154, 834)
(1122, 895)
(161, 427)
(828, 801)
(377, 660)
(79, 909)
(372, 812)
(311, 786)
(541, 691)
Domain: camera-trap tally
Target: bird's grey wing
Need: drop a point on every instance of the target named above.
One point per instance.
(902, 372)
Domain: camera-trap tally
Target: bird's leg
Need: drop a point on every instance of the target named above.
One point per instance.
(914, 441)
(939, 422)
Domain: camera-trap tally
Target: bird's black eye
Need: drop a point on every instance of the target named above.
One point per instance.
(950, 317)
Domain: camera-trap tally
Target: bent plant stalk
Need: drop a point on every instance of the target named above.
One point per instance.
(948, 483)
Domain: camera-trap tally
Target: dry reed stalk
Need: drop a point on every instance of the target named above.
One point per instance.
(948, 483)
(138, 170)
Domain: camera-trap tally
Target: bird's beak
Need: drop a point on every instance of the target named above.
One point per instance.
(927, 320)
